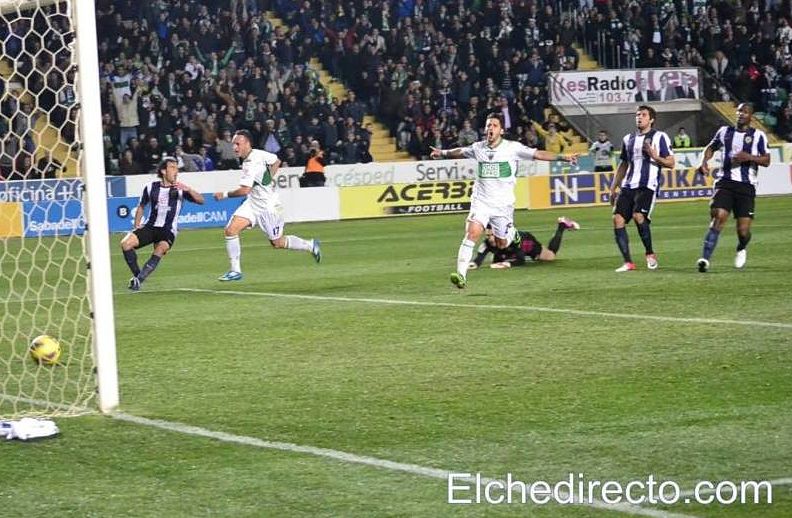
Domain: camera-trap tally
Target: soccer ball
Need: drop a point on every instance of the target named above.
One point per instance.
(45, 350)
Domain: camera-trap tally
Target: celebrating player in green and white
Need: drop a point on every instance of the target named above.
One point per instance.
(492, 201)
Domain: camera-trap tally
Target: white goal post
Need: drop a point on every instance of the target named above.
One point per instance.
(77, 304)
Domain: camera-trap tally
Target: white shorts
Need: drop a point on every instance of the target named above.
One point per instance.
(500, 218)
(269, 220)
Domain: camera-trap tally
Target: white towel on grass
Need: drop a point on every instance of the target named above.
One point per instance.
(28, 428)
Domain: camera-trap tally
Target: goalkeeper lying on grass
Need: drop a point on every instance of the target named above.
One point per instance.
(525, 246)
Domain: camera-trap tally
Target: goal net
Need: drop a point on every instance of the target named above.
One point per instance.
(53, 271)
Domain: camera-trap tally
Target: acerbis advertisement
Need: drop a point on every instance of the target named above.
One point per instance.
(415, 198)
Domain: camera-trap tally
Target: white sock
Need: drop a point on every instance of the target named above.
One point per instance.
(298, 243)
(234, 252)
(464, 256)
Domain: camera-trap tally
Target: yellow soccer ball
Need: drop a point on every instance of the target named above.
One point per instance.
(45, 350)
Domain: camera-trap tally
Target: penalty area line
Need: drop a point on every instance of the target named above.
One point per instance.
(535, 309)
(342, 456)
(351, 458)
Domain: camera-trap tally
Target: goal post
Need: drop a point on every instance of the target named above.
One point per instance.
(96, 206)
(55, 275)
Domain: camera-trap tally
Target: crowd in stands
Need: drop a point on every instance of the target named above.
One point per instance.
(743, 45)
(180, 80)
(37, 49)
(179, 76)
(432, 70)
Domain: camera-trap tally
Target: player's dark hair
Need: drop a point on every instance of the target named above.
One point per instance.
(750, 106)
(245, 133)
(652, 112)
(164, 164)
(498, 116)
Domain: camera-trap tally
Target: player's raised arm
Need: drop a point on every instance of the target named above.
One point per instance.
(191, 194)
(456, 152)
(571, 158)
(242, 190)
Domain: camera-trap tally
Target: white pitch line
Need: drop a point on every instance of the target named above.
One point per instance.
(537, 309)
(412, 469)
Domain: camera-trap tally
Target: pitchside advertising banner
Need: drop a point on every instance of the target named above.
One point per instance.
(680, 184)
(345, 175)
(33, 208)
(623, 86)
(121, 213)
(315, 204)
(410, 199)
(54, 207)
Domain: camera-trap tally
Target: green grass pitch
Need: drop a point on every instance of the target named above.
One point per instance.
(538, 394)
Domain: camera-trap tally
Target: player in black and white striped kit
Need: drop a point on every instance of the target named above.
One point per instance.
(744, 149)
(164, 198)
(644, 153)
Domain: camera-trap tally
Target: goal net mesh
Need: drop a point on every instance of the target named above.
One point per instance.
(43, 250)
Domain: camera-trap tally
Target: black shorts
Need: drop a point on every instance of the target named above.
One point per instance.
(630, 201)
(148, 235)
(736, 197)
(603, 168)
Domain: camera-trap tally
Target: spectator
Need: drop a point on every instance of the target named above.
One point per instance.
(206, 163)
(224, 149)
(128, 165)
(314, 167)
(467, 135)
(681, 139)
(128, 117)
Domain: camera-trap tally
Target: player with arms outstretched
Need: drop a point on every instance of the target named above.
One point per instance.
(492, 201)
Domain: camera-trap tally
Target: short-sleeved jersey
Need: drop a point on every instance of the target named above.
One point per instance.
(732, 141)
(164, 203)
(642, 171)
(602, 153)
(496, 170)
(257, 175)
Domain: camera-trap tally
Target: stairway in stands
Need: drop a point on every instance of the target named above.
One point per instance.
(585, 62)
(727, 110)
(579, 142)
(383, 145)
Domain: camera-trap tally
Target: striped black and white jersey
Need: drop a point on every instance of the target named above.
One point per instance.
(164, 203)
(731, 141)
(642, 171)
